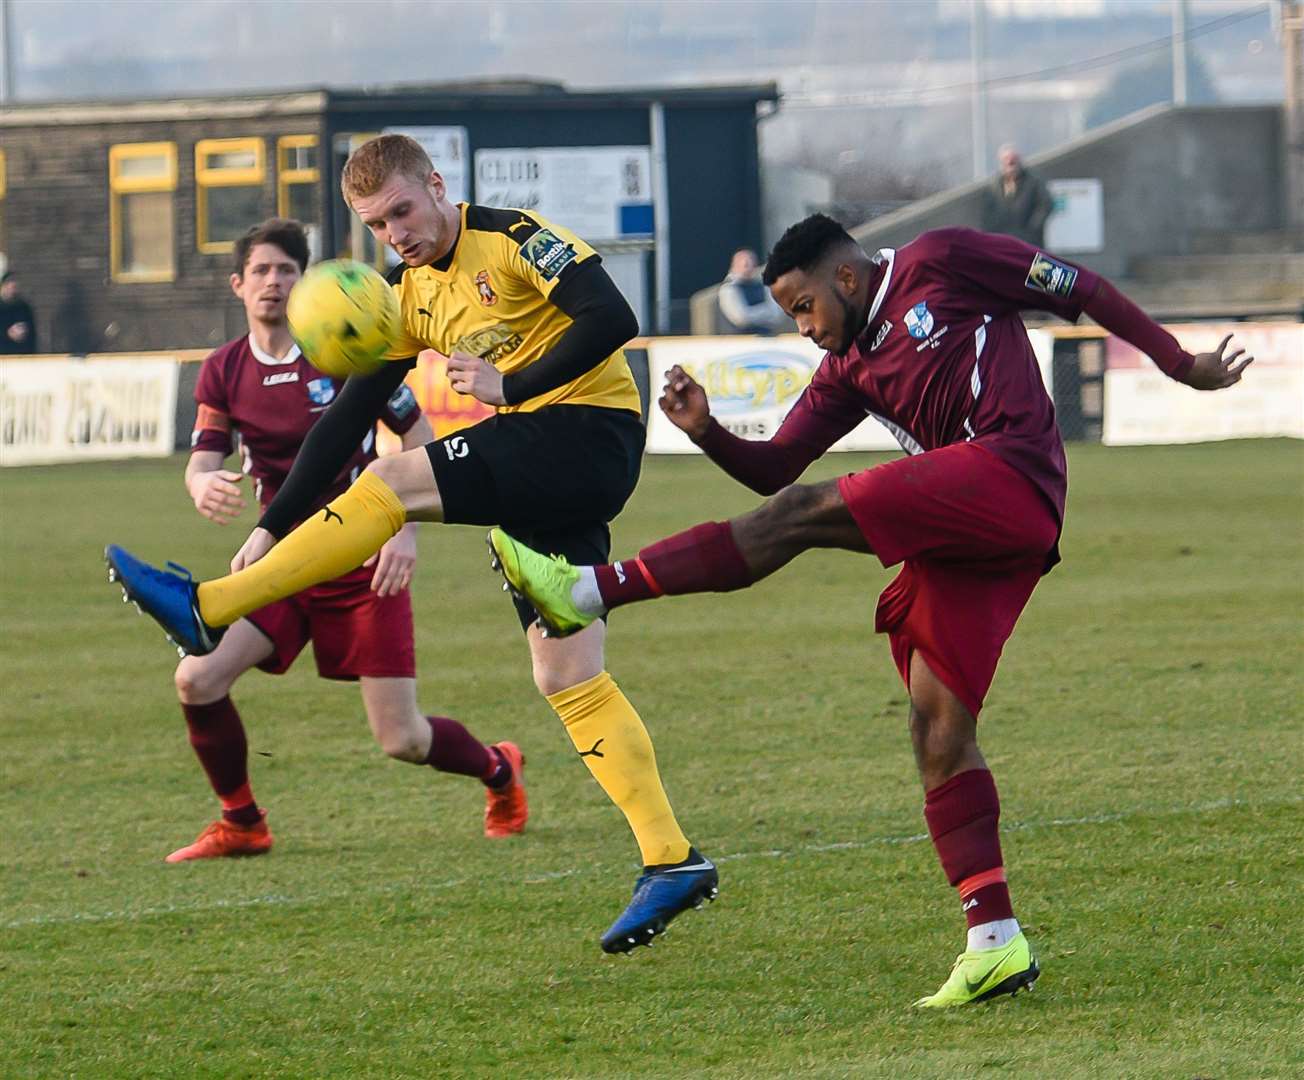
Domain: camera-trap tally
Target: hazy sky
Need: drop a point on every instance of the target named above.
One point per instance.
(103, 48)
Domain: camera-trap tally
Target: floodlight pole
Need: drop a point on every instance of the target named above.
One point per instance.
(977, 65)
(1181, 52)
(6, 54)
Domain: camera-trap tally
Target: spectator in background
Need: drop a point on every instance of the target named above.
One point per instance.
(17, 323)
(1017, 202)
(746, 306)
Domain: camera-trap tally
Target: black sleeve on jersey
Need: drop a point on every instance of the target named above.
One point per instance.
(328, 446)
(603, 322)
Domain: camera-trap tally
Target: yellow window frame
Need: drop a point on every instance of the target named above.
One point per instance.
(4, 174)
(134, 185)
(287, 177)
(208, 177)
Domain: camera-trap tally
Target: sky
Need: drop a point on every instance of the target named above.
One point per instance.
(892, 74)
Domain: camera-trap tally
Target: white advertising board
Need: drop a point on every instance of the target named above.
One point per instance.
(449, 149)
(598, 192)
(1144, 406)
(86, 410)
(1078, 221)
(751, 383)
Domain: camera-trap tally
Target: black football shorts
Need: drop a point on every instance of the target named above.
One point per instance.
(552, 478)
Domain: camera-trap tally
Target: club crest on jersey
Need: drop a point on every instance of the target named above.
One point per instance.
(486, 290)
(548, 253)
(321, 391)
(919, 320)
(1050, 276)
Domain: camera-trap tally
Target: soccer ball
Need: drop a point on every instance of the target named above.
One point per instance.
(343, 316)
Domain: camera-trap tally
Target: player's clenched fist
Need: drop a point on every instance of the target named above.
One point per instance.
(469, 374)
(684, 401)
(217, 495)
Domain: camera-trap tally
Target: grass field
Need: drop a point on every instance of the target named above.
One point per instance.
(1145, 728)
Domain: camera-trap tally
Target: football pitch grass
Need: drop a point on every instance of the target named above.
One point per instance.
(1145, 730)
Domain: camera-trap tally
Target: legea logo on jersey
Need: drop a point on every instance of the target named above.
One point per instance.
(749, 381)
(919, 320)
(321, 391)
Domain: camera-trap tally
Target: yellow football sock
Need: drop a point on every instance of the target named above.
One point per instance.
(615, 746)
(340, 538)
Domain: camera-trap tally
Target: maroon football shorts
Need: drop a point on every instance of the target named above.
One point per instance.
(974, 534)
(353, 631)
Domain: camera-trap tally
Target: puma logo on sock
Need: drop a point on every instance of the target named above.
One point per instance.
(593, 750)
(332, 514)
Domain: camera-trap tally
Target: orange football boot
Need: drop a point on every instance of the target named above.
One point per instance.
(505, 810)
(223, 840)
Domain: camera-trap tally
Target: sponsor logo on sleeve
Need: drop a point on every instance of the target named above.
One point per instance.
(321, 391)
(919, 321)
(548, 253)
(884, 329)
(1050, 276)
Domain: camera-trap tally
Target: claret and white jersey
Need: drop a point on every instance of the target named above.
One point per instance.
(944, 357)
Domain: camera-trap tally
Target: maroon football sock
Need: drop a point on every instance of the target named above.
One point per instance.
(453, 749)
(962, 816)
(705, 558)
(218, 737)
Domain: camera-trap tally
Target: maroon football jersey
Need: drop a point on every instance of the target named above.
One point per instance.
(945, 358)
(270, 405)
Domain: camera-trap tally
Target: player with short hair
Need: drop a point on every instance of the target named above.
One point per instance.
(531, 324)
(259, 392)
(927, 339)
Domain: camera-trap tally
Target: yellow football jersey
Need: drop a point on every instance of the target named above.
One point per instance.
(489, 297)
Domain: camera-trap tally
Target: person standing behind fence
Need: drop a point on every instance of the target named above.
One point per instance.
(1017, 202)
(17, 322)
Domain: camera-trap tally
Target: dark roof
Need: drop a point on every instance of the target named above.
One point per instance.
(469, 93)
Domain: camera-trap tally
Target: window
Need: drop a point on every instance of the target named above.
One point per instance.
(142, 180)
(297, 177)
(228, 190)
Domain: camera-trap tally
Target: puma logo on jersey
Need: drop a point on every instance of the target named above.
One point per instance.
(593, 750)
(523, 223)
(331, 514)
(423, 311)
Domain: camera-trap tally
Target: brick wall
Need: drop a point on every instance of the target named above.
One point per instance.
(57, 221)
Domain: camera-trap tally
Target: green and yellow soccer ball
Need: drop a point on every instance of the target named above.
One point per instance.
(343, 315)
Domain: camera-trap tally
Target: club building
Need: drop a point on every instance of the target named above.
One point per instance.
(119, 217)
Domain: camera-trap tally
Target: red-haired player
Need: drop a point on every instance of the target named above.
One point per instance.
(262, 389)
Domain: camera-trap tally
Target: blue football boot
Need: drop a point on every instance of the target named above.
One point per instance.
(169, 597)
(661, 893)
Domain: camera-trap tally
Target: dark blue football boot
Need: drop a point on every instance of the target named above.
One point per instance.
(661, 893)
(169, 597)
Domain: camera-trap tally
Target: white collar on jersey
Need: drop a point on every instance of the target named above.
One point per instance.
(268, 359)
(888, 257)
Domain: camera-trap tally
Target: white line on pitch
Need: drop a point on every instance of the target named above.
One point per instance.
(282, 900)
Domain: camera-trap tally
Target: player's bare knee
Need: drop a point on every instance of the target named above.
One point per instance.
(941, 739)
(199, 683)
(410, 477)
(400, 739)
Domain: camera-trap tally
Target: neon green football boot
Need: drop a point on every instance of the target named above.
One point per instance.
(545, 581)
(986, 973)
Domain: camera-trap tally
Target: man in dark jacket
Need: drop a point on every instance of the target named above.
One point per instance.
(1017, 202)
(17, 323)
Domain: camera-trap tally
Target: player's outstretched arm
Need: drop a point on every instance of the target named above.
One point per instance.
(213, 489)
(765, 466)
(1202, 371)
